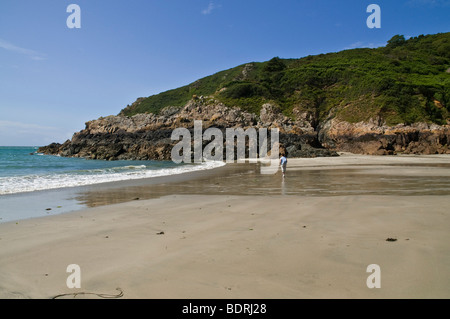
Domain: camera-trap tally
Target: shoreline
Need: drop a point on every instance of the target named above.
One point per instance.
(232, 232)
(71, 199)
(65, 199)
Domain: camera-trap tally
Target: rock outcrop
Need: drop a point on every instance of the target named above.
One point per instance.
(148, 136)
(375, 138)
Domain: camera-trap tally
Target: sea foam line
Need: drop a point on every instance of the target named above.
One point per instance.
(30, 183)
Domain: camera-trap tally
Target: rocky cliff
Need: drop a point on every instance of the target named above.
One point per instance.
(353, 100)
(148, 136)
(376, 138)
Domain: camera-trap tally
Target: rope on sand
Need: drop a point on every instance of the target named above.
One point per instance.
(106, 296)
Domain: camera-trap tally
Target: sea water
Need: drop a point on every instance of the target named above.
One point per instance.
(22, 169)
(36, 185)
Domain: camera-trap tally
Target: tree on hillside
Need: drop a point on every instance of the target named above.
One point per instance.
(396, 40)
(274, 65)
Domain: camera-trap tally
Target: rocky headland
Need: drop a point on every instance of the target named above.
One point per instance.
(147, 136)
(384, 101)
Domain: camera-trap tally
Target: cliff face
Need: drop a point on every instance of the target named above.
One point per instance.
(148, 136)
(375, 138)
(353, 100)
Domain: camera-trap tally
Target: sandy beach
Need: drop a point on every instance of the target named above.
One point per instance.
(235, 233)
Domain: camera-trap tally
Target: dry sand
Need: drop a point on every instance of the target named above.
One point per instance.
(245, 246)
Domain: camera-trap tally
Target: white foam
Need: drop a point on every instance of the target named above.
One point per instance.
(30, 183)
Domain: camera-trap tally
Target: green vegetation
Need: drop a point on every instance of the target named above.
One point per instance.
(405, 82)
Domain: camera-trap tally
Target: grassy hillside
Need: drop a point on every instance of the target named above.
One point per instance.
(405, 82)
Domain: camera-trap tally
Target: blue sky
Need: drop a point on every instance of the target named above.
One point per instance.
(53, 79)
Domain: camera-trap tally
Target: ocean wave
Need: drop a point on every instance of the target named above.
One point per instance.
(130, 167)
(105, 170)
(30, 183)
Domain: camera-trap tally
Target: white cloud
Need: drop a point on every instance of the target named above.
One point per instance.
(24, 126)
(34, 55)
(209, 9)
(354, 45)
(361, 44)
(18, 133)
(433, 3)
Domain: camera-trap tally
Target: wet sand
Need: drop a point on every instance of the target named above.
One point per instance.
(235, 233)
